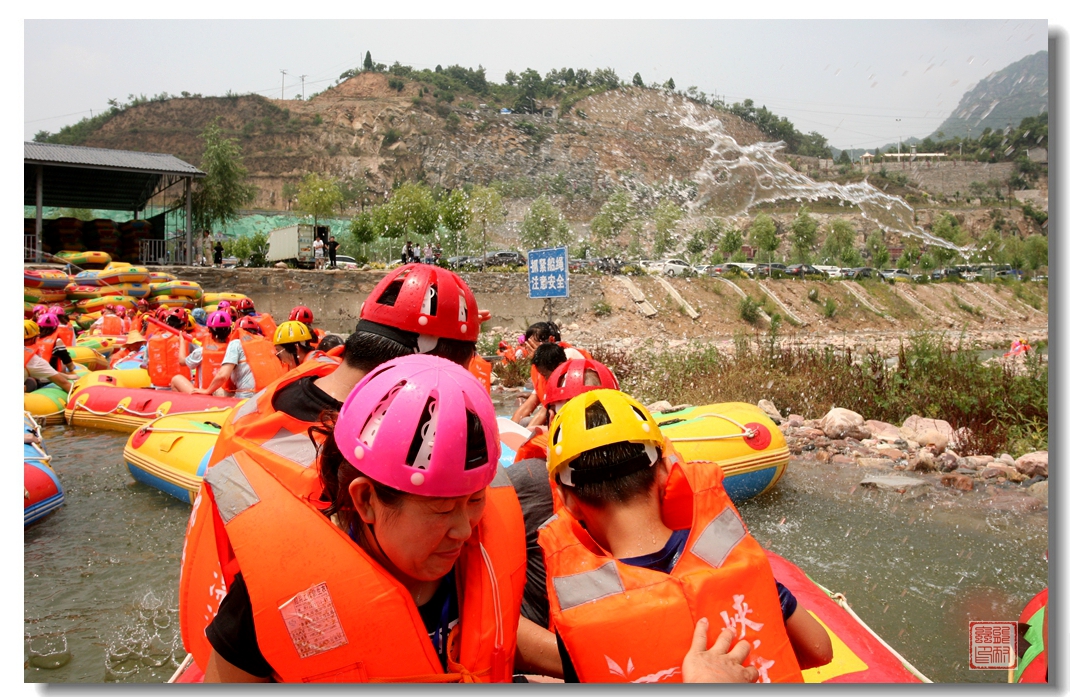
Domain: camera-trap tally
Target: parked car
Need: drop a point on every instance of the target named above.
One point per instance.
(742, 267)
(505, 258)
(651, 265)
(832, 271)
(862, 272)
(1013, 274)
(676, 267)
(943, 274)
(894, 275)
(800, 270)
(702, 269)
(768, 270)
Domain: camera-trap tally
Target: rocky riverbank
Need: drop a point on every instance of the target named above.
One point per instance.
(924, 448)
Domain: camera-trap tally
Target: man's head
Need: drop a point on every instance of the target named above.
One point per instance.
(604, 449)
(292, 342)
(542, 332)
(573, 378)
(547, 357)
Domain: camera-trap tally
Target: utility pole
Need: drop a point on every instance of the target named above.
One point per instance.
(898, 146)
(303, 87)
(283, 83)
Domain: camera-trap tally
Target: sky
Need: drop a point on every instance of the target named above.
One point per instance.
(860, 83)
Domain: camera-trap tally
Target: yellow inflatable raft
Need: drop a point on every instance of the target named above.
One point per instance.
(77, 291)
(133, 290)
(98, 304)
(44, 296)
(215, 298)
(161, 277)
(46, 404)
(180, 301)
(134, 378)
(116, 274)
(86, 260)
(184, 289)
(90, 358)
(739, 437)
(171, 453)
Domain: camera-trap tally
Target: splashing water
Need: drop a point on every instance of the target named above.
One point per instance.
(735, 177)
(149, 645)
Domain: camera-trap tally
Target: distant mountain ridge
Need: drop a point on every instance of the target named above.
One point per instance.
(1004, 97)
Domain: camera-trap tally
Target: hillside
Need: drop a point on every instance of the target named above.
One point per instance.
(367, 128)
(1004, 97)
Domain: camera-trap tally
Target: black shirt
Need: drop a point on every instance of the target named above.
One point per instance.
(532, 486)
(304, 401)
(233, 635)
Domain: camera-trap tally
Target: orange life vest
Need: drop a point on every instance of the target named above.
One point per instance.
(27, 355)
(481, 368)
(267, 325)
(111, 325)
(317, 355)
(260, 355)
(212, 353)
(165, 358)
(45, 345)
(622, 623)
(317, 335)
(276, 440)
(66, 334)
(534, 447)
(325, 611)
(119, 355)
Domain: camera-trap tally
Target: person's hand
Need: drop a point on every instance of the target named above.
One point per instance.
(199, 390)
(483, 316)
(717, 664)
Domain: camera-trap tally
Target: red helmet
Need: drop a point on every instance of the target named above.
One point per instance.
(109, 308)
(245, 305)
(249, 324)
(142, 305)
(574, 377)
(162, 312)
(301, 314)
(427, 300)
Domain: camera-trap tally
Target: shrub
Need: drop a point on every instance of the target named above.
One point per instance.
(391, 136)
(830, 308)
(811, 295)
(602, 308)
(749, 310)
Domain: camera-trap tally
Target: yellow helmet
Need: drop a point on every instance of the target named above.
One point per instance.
(629, 422)
(30, 330)
(292, 332)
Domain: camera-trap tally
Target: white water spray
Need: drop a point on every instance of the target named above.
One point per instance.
(735, 177)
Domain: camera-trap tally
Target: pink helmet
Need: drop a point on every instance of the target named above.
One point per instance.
(56, 310)
(39, 310)
(219, 319)
(405, 425)
(223, 304)
(120, 311)
(47, 320)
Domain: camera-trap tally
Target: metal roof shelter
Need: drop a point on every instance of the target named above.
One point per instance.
(79, 177)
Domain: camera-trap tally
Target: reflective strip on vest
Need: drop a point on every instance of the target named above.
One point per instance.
(588, 586)
(296, 447)
(548, 521)
(500, 478)
(231, 488)
(719, 538)
(249, 407)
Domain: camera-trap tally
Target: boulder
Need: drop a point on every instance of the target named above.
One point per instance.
(770, 410)
(1007, 459)
(281, 265)
(897, 483)
(796, 420)
(957, 481)
(660, 405)
(841, 423)
(976, 462)
(925, 461)
(875, 462)
(934, 440)
(1040, 491)
(1033, 464)
(999, 469)
(842, 460)
(882, 431)
(916, 425)
(890, 452)
(947, 462)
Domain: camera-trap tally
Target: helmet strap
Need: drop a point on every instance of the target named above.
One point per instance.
(408, 339)
(425, 343)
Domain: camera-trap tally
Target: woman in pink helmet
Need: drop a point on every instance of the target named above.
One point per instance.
(410, 570)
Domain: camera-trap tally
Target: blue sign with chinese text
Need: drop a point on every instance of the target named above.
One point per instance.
(548, 273)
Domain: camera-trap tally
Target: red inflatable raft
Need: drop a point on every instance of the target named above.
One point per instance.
(127, 409)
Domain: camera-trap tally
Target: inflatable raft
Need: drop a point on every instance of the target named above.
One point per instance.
(171, 453)
(126, 409)
(45, 278)
(858, 654)
(86, 260)
(42, 492)
(739, 437)
(1033, 644)
(46, 404)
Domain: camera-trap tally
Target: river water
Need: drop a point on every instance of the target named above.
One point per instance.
(101, 574)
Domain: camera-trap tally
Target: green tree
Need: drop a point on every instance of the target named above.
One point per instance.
(528, 85)
(368, 64)
(611, 220)
(318, 197)
(454, 217)
(703, 238)
(1014, 251)
(879, 255)
(666, 216)
(838, 242)
(361, 229)
(803, 235)
(763, 235)
(926, 262)
(544, 226)
(410, 210)
(1036, 252)
(353, 190)
(731, 243)
(486, 207)
(947, 228)
(223, 192)
(910, 255)
(670, 85)
(845, 158)
(637, 80)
